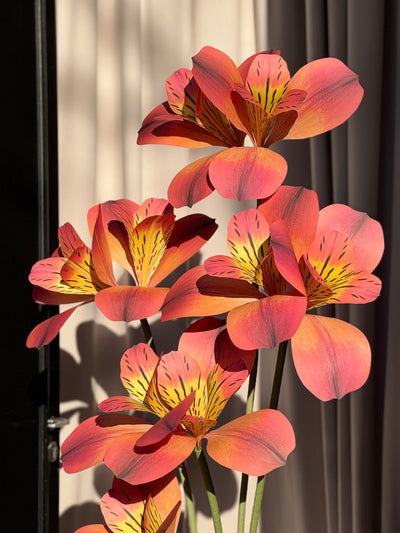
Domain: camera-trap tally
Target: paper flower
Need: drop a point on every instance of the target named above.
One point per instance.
(218, 104)
(187, 389)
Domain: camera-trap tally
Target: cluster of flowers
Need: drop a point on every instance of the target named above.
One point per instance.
(287, 257)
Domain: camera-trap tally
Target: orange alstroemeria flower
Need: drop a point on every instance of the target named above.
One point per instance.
(218, 104)
(145, 239)
(300, 258)
(148, 508)
(187, 389)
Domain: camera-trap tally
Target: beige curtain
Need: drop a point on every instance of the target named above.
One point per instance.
(113, 59)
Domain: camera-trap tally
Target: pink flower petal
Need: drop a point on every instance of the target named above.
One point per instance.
(331, 256)
(244, 67)
(127, 463)
(196, 294)
(165, 425)
(365, 232)
(331, 357)
(267, 322)
(163, 126)
(298, 207)
(69, 239)
(43, 296)
(216, 75)
(254, 444)
(333, 94)
(190, 233)
(87, 444)
(101, 254)
(122, 403)
(191, 184)
(138, 365)
(246, 173)
(45, 332)
(284, 256)
(199, 340)
(130, 303)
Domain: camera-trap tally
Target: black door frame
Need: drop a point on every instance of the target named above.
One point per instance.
(29, 194)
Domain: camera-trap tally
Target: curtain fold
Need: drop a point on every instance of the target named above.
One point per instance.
(113, 59)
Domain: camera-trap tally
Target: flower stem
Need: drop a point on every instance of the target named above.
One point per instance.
(245, 478)
(190, 507)
(210, 489)
(147, 334)
(276, 387)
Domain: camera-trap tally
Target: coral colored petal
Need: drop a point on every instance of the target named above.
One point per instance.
(284, 256)
(224, 266)
(244, 67)
(331, 256)
(124, 505)
(46, 274)
(216, 75)
(266, 323)
(162, 126)
(166, 425)
(331, 357)
(101, 254)
(199, 340)
(182, 91)
(267, 79)
(190, 233)
(170, 523)
(45, 332)
(86, 445)
(122, 403)
(333, 94)
(156, 461)
(147, 242)
(298, 207)
(137, 369)
(228, 375)
(151, 517)
(281, 126)
(152, 207)
(130, 303)
(79, 273)
(191, 184)
(254, 444)
(190, 135)
(196, 294)
(248, 233)
(69, 239)
(43, 296)
(121, 209)
(247, 173)
(180, 375)
(117, 210)
(361, 288)
(365, 232)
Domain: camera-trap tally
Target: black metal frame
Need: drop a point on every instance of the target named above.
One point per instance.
(29, 195)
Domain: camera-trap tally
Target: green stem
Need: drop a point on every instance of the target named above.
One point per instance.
(276, 387)
(190, 507)
(245, 478)
(212, 498)
(147, 334)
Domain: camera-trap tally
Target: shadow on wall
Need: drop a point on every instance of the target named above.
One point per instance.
(100, 351)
